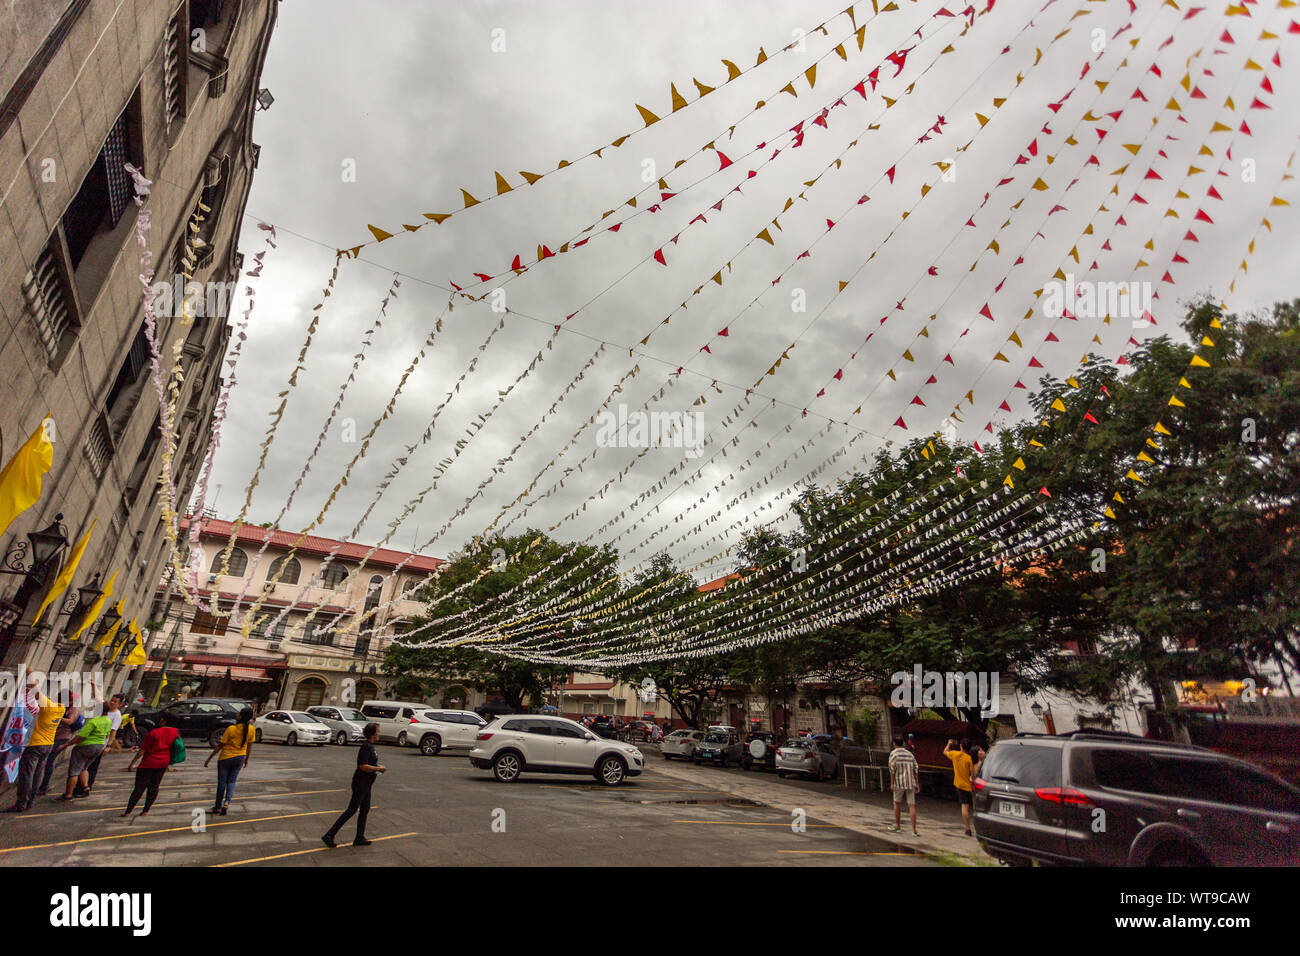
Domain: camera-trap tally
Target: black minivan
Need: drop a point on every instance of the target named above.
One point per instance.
(1094, 798)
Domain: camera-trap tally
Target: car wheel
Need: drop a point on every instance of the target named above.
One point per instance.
(291, 740)
(611, 771)
(214, 738)
(430, 745)
(401, 739)
(341, 738)
(506, 766)
(666, 756)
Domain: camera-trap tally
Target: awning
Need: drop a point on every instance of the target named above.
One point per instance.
(212, 670)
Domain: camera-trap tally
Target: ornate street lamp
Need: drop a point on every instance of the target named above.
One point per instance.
(46, 546)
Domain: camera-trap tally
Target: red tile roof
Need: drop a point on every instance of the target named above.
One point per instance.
(313, 545)
(718, 584)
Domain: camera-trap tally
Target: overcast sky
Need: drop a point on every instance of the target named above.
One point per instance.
(414, 96)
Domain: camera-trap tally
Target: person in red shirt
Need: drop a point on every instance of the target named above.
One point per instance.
(154, 756)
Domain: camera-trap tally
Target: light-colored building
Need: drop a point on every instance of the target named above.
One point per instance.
(169, 86)
(208, 655)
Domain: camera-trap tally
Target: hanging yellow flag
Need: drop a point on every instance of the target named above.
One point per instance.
(1108, 513)
(1058, 405)
(1019, 463)
(65, 576)
(137, 655)
(1161, 430)
(1143, 456)
(1133, 476)
(20, 482)
(1173, 400)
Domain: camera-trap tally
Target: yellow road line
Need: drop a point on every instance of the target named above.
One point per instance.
(319, 849)
(138, 833)
(731, 823)
(849, 853)
(178, 803)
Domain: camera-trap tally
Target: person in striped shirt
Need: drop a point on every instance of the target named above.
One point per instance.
(905, 778)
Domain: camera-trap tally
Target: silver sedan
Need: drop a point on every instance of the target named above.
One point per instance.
(811, 758)
(291, 727)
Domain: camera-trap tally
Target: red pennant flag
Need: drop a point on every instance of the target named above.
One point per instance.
(515, 264)
(933, 271)
(722, 158)
(1034, 363)
(839, 374)
(984, 311)
(978, 449)
(863, 199)
(900, 423)
(931, 380)
(1200, 214)
(1088, 418)
(819, 395)
(1043, 491)
(616, 227)
(1004, 406)
(705, 348)
(482, 277)
(829, 225)
(454, 286)
(890, 173)
(948, 359)
(1167, 278)
(1020, 384)
(1051, 337)
(659, 257)
(726, 331)
(861, 89)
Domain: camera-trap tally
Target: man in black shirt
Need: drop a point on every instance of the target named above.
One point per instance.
(363, 779)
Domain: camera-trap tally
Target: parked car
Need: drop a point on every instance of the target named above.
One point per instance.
(1041, 798)
(720, 744)
(519, 744)
(291, 727)
(206, 717)
(436, 730)
(393, 718)
(636, 730)
(760, 752)
(346, 724)
(607, 726)
(806, 757)
(681, 743)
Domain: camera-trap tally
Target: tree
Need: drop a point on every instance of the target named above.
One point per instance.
(462, 595)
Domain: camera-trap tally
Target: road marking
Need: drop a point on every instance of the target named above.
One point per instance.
(138, 833)
(731, 823)
(561, 786)
(850, 852)
(319, 849)
(179, 803)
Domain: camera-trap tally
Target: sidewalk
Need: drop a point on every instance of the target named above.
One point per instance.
(867, 812)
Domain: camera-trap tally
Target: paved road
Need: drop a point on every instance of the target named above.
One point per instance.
(435, 811)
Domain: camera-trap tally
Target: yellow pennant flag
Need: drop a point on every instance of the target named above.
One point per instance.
(1058, 405)
(65, 576)
(20, 482)
(137, 655)
(93, 611)
(1174, 400)
(1133, 476)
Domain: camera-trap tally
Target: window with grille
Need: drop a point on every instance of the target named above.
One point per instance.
(238, 562)
(99, 447)
(334, 576)
(292, 569)
(175, 72)
(48, 296)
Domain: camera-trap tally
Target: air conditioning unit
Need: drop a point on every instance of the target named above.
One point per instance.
(273, 646)
(212, 579)
(202, 642)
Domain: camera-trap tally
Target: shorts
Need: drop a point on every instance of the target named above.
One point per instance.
(966, 798)
(905, 795)
(82, 757)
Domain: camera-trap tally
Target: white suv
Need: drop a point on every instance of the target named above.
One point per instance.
(436, 730)
(520, 743)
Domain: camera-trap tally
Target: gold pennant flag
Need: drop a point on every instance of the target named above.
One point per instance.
(469, 200)
(503, 187)
(649, 118)
(65, 576)
(679, 101)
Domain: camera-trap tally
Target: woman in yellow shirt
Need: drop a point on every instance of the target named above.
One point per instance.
(232, 756)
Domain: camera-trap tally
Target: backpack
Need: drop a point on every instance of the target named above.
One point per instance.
(178, 751)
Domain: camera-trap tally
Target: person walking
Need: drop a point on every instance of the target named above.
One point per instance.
(905, 779)
(153, 756)
(961, 779)
(69, 724)
(113, 710)
(232, 757)
(87, 744)
(363, 779)
(48, 714)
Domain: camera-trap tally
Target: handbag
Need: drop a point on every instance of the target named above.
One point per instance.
(178, 751)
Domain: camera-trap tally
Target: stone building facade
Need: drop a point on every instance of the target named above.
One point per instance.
(169, 86)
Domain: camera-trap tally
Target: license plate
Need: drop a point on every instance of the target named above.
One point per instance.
(1011, 808)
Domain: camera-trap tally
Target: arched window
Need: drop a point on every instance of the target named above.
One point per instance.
(291, 571)
(309, 693)
(373, 589)
(366, 690)
(238, 562)
(334, 576)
